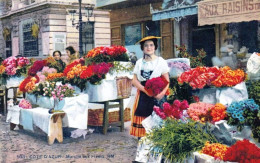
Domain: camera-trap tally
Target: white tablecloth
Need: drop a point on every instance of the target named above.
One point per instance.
(76, 109)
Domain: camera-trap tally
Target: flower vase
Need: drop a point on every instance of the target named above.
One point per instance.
(56, 104)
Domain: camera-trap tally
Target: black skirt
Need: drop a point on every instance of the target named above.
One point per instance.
(146, 103)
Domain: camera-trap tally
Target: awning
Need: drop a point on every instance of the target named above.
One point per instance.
(227, 11)
(176, 13)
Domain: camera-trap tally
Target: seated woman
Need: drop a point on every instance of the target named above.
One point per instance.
(71, 54)
(57, 56)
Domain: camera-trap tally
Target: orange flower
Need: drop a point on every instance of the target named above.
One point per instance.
(215, 150)
(2, 69)
(53, 76)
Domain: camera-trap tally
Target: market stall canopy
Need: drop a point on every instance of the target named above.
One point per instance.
(227, 11)
(175, 9)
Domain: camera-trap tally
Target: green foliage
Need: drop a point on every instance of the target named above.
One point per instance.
(178, 140)
(195, 61)
(254, 91)
(117, 67)
(179, 92)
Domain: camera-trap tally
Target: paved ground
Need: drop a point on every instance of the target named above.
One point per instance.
(22, 146)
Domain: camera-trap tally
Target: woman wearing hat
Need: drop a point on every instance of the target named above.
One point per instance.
(148, 67)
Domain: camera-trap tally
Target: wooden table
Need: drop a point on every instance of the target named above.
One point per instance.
(108, 106)
(55, 128)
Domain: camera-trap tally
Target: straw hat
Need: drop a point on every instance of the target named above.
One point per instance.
(147, 38)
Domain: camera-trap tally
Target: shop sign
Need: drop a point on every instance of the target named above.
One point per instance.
(227, 11)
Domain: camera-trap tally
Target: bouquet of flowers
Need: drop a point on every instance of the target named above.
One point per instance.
(215, 150)
(107, 54)
(96, 72)
(243, 151)
(174, 111)
(52, 63)
(245, 113)
(37, 66)
(199, 77)
(253, 91)
(155, 85)
(44, 89)
(229, 77)
(44, 73)
(55, 77)
(14, 66)
(218, 112)
(25, 104)
(62, 91)
(197, 111)
(28, 84)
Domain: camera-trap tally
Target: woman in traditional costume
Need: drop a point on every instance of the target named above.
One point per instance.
(148, 67)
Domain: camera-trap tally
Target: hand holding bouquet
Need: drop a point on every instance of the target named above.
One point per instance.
(155, 86)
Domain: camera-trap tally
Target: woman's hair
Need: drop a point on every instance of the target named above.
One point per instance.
(154, 41)
(55, 52)
(71, 49)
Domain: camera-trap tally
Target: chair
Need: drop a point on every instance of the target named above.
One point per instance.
(3, 98)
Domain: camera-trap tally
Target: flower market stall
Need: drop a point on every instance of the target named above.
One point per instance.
(103, 75)
(211, 115)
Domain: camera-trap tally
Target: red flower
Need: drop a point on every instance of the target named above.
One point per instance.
(87, 73)
(155, 85)
(243, 152)
(37, 66)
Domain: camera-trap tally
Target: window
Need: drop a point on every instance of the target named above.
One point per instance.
(30, 44)
(133, 33)
(88, 36)
(8, 46)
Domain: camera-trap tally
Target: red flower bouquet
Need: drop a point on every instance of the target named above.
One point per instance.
(155, 85)
(243, 152)
(37, 66)
(28, 84)
(173, 111)
(107, 54)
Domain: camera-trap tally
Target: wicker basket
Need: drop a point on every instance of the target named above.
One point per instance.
(95, 116)
(124, 86)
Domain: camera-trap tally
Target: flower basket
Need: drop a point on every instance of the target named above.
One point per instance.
(95, 116)
(124, 86)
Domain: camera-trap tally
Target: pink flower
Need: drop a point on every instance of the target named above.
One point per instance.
(25, 104)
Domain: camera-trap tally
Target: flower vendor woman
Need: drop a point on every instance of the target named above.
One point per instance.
(72, 54)
(148, 67)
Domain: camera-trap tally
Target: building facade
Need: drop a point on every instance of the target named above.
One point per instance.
(176, 21)
(36, 28)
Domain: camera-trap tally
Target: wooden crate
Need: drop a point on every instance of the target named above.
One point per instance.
(95, 116)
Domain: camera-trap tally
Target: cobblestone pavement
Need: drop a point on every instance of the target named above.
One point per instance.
(23, 146)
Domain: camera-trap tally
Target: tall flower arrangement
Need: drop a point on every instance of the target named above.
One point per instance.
(37, 66)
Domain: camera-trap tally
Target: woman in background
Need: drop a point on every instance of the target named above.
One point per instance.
(72, 54)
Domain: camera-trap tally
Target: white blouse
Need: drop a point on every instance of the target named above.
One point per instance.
(158, 67)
